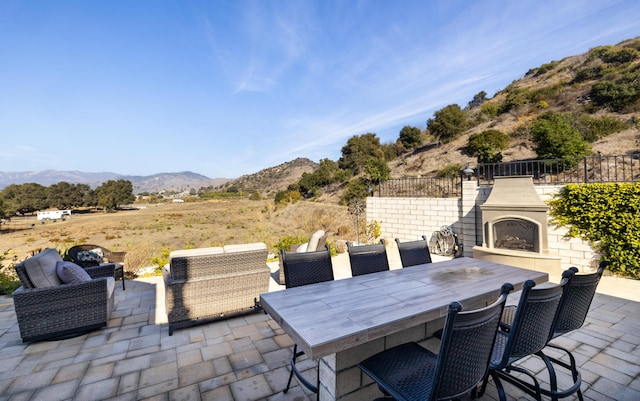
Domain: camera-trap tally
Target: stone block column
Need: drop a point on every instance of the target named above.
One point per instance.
(468, 236)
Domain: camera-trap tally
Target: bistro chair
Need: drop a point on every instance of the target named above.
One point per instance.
(365, 259)
(572, 312)
(410, 372)
(528, 334)
(303, 268)
(414, 252)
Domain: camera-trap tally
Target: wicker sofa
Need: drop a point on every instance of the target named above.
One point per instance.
(48, 309)
(206, 284)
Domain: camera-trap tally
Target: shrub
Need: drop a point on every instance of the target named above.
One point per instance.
(515, 99)
(607, 216)
(8, 278)
(160, 260)
(594, 128)
(450, 170)
(613, 55)
(285, 242)
(489, 109)
(356, 189)
(448, 123)
(555, 138)
(372, 231)
(621, 95)
(410, 137)
(287, 196)
(487, 145)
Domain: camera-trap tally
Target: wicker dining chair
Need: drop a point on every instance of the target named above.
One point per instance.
(410, 372)
(112, 259)
(572, 312)
(528, 334)
(365, 259)
(304, 268)
(414, 253)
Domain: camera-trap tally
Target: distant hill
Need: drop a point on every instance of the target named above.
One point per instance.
(182, 181)
(564, 86)
(273, 179)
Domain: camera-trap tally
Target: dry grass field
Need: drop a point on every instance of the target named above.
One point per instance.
(149, 230)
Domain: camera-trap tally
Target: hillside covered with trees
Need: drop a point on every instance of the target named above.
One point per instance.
(570, 108)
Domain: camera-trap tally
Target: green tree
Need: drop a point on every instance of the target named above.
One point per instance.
(355, 189)
(65, 196)
(488, 145)
(377, 170)
(448, 123)
(477, 100)
(392, 150)
(327, 173)
(113, 194)
(358, 150)
(410, 137)
(25, 198)
(555, 138)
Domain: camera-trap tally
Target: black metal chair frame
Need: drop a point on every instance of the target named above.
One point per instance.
(573, 310)
(410, 372)
(366, 259)
(414, 253)
(532, 325)
(304, 268)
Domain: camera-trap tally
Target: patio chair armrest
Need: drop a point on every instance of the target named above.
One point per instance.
(103, 270)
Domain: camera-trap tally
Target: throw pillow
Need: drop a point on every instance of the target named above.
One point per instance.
(89, 258)
(71, 273)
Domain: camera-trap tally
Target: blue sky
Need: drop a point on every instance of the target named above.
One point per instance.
(226, 88)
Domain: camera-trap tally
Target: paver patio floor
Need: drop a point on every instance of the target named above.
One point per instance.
(247, 358)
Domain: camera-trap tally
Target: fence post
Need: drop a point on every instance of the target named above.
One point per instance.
(584, 163)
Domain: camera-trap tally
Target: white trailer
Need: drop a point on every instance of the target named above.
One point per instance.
(54, 214)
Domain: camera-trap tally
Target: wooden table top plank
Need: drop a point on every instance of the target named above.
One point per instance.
(328, 317)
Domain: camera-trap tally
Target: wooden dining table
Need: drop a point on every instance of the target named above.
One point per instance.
(342, 322)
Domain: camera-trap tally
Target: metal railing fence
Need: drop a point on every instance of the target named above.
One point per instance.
(601, 169)
(624, 168)
(450, 187)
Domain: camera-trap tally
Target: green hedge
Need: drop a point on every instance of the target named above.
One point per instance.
(607, 216)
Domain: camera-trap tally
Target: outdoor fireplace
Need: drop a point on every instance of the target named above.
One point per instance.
(514, 221)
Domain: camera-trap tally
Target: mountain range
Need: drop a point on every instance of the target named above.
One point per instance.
(183, 181)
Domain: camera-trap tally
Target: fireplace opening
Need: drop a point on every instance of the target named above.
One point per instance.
(516, 234)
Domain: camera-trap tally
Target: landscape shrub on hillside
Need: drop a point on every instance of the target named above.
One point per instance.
(448, 123)
(555, 138)
(488, 145)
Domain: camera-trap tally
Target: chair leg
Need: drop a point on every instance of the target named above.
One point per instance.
(553, 383)
(301, 379)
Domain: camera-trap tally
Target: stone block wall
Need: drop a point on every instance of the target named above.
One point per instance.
(410, 218)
